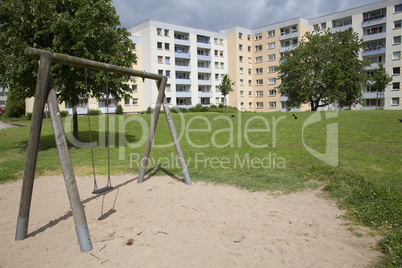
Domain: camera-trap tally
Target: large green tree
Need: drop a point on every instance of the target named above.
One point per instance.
(324, 69)
(82, 28)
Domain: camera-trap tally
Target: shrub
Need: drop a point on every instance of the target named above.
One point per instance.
(213, 106)
(94, 112)
(29, 116)
(119, 109)
(220, 105)
(64, 113)
(149, 110)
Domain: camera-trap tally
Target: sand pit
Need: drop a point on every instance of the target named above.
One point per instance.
(165, 223)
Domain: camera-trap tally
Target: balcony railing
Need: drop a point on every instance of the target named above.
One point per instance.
(373, 51)
(376, 20)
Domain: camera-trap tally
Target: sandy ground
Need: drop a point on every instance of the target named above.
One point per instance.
(165, 223)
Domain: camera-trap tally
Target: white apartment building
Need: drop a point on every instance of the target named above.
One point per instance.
(194, 61)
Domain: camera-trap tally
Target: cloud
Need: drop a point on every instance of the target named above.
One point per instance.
(216, 15)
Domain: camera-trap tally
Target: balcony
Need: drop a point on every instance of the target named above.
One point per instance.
(207, 70)
(340, 28)
(182, 55)
(204, 82)
(283, 98)
(374, 21)
(204, 57)
(371, 95)
(373, 51)
(183, 68)
(204, 94)
(373, 66)
(370, 37)
(183, 81)
(181, 40)
(203, 44)
(183, 94)
(287, 48)
(288, 35)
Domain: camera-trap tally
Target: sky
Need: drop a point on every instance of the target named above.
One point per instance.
(216, 15)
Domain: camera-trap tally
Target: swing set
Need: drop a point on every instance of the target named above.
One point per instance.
(45, 91)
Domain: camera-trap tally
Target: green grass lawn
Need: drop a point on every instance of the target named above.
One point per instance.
(257, 151)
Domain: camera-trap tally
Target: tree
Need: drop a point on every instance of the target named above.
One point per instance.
(81, 28)
(324, 68)
(381, 80)
(226, 86)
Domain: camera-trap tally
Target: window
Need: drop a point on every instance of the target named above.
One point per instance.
(271, 45)
(134, 88)
(258, 36)
(159, 45)
(258, 71)
(249, 48)
(241, 70)
(160, 59)
(259, 93)
(259, 82)
(222, 65)
(398, 8)
(271, 69)
(250, 94)
(242, 94)
(260, 105)
(272, 104)
(395, 102)
(240, 36)
(250, 105)
(241, 47)
(160, 72)
(167, 73)
(221, 53)
(397, 40)
(168, 87)
(271, 33)
(250, 71)
(241, 82)
(396, 55)
(127, 102)
(271, 57)
(241, 105)
(324, 25)
(241, 58)
(215, 41)
(315, 27)
(216, 65)
(342, 22)
(248, 37)
(217, 77)
(167, 60)
(272, 92)
(216, 53)
(272, 81)
(258, 59)
(159, 31)
(167, 46)
(249, 60)
(168, 100)
(250, 82)
(221, 42)
(396, 71)
(135, 101)
(397, 24)
(166, 32)
(258, 48)
(133, 46)
(396, 86)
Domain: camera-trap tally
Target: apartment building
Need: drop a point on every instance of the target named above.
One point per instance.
(254, 54)
(193, 60)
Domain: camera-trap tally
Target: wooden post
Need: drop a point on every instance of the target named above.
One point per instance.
(41, 92)
(161, 86)
(77, 208)
(176, 141)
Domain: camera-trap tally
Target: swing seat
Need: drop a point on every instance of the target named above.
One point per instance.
(102, 190)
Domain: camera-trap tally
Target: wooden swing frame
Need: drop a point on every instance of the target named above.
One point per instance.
(45, 91)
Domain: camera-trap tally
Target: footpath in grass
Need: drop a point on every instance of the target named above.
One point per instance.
(257, 151)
